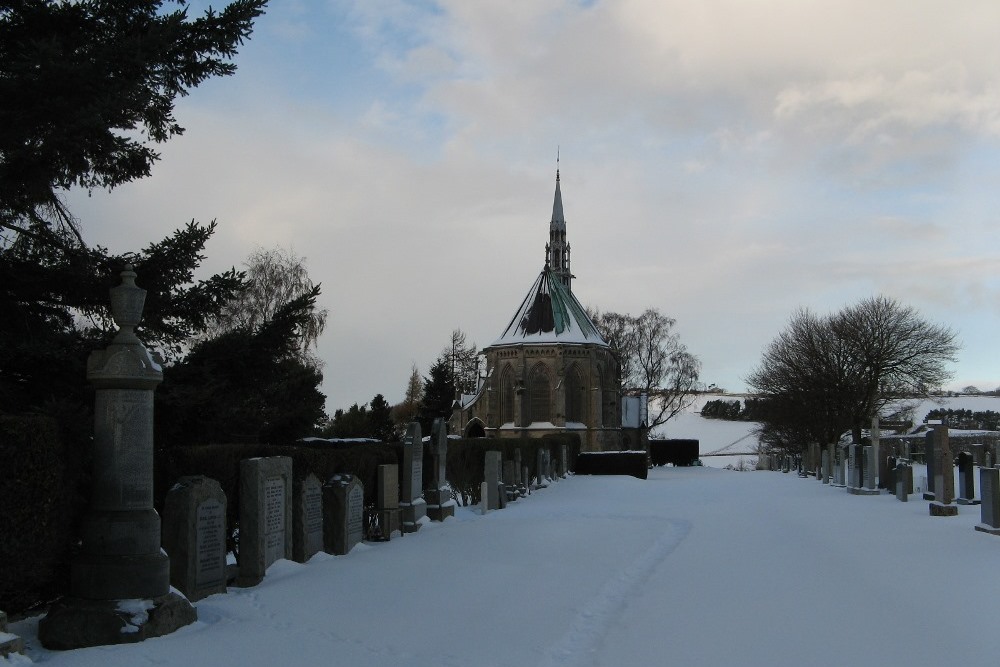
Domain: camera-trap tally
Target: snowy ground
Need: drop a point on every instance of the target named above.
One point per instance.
(694, 566)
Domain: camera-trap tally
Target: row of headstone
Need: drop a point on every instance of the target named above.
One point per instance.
(280, 518)
(440, 503)
(505, 481)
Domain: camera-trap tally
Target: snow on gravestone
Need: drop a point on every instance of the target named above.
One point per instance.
(194, 536)
(265, 515)
(344, 507)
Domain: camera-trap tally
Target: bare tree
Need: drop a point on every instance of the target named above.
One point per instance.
(463, 359)
(652, 361)
(274, 277)
(824, 376)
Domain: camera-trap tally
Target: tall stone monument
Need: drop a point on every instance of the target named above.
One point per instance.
(307, 517)
(989, 489)
(120, 582)
(412, 506)
(440, 503)
(944, 475)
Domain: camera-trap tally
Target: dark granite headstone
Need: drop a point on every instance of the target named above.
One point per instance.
(966, 480)
(989, 489)
(491, 475)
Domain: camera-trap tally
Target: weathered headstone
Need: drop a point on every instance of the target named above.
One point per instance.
(825, 467)
(9, 643)
(440, 503)
(387, 500)
(265, 515)
(491, 475)
(412, 506)
(564, 460)
(120, 555)
(966, 480)
(307, 518)
(989, 489)
(839, 466)
(944, 475)
(194, 536)
(878, 465)
(343, 514)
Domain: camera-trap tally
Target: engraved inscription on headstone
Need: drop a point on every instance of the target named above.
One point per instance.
(355, 514)
(274, 519)
(211, 539)
(314, 518)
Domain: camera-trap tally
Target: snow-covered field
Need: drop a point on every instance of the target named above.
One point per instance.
(694, 566)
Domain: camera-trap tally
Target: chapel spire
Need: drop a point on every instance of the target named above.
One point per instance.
(557, 250)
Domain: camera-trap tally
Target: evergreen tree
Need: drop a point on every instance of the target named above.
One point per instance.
(438, 394)
(405, 412)
(380, 421)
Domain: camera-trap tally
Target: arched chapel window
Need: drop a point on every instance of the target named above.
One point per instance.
(575, 396)
(538, 392)
(507, 395)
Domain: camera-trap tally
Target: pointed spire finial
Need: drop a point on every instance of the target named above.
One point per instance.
(557, 162)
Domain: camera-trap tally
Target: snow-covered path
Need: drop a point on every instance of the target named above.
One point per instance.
(693, 566)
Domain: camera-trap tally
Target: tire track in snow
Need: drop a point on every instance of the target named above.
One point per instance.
(578, 647)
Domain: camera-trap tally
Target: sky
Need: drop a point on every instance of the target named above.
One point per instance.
(726, 162)
(694, 566)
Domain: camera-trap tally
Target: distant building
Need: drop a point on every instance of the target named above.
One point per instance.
(550, 371)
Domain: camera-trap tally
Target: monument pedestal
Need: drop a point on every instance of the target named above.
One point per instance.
(410, 515)
(940, 509)
(440, 504)
(862, 491)
(985, 528)
(78, 623)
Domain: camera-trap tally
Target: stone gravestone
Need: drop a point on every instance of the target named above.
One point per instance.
(307, 518)
(120, 556)
(852, 467)
(878, 464)
(387, 501)
(944, 475)
(563, 460)
(194, 536)
(977, 451)
(412, 506)
(265, 515)
(902, 471)
(510, 488)
(871, 468)
(540, 469)
(440, 503)
(989, 489)
(825, 464)
(9, 643)
(966, 480)
(491, 476)
(929, 461)
(343, 514)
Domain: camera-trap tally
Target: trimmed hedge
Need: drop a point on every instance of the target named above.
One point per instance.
(678, 451)
(613, 463)
(41, 503)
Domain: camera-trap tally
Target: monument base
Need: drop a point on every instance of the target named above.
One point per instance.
(929, 496)
(410, 515)
(440, 505)
(861, 491)
(986, 528)
(939, 509)
(77, 623)
(968, 501)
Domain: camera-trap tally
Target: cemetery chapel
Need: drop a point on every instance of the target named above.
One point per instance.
(550, 371)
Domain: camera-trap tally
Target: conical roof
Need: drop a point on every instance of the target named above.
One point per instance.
(550, 313)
